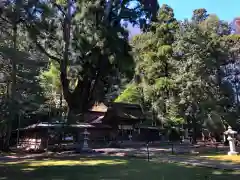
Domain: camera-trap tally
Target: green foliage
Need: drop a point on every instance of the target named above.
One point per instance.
(131, 94)
(186, 69)
(50, 79)
(202, 80)
(199, 15)
(163, 83)
(29, 95)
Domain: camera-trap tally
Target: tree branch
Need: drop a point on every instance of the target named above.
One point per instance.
(95, 79)
(4, 19)
(5, 31)
(43, 50)
(58, 7)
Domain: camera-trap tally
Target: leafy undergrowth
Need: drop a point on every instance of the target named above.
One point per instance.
(234, 159)
(99, 168)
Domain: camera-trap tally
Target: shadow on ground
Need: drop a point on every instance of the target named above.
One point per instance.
(106, 168)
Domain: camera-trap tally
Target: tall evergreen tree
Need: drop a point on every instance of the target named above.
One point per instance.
(23, 94)
(154, 63)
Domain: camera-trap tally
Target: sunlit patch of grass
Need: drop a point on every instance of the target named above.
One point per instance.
(28, 169)
(235, 172)
(85, 162)
(74, 162)
(234, 159)
(217, 172)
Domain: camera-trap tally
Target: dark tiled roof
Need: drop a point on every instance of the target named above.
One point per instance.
(44, 125)
(128, 111)
(124, 113)
(91, 116)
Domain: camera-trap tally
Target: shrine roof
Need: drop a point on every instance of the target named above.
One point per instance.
(123, 112)
(114, 111)
(129, 111)
(44, 125)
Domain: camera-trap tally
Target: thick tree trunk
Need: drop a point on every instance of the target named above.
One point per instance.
(194, 130)
(6, 139)
(83, 95)
(78, 101)
(77, 105)
(166, 90)
(12, 91)
(81, 98)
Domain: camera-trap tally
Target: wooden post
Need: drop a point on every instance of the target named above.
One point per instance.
(18, 129)
(148, 152)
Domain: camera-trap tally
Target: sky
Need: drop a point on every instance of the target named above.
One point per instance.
(225, 9)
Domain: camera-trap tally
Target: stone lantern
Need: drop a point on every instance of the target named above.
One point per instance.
(130, 137)
(64, 117)
(85, 141)
(230, 137)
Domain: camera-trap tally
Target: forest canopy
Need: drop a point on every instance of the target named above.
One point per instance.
(66, 55)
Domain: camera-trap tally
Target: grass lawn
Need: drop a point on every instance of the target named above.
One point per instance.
(233, 159)
(107, 168)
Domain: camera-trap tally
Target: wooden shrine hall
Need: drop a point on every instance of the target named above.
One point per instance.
(115, 121)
